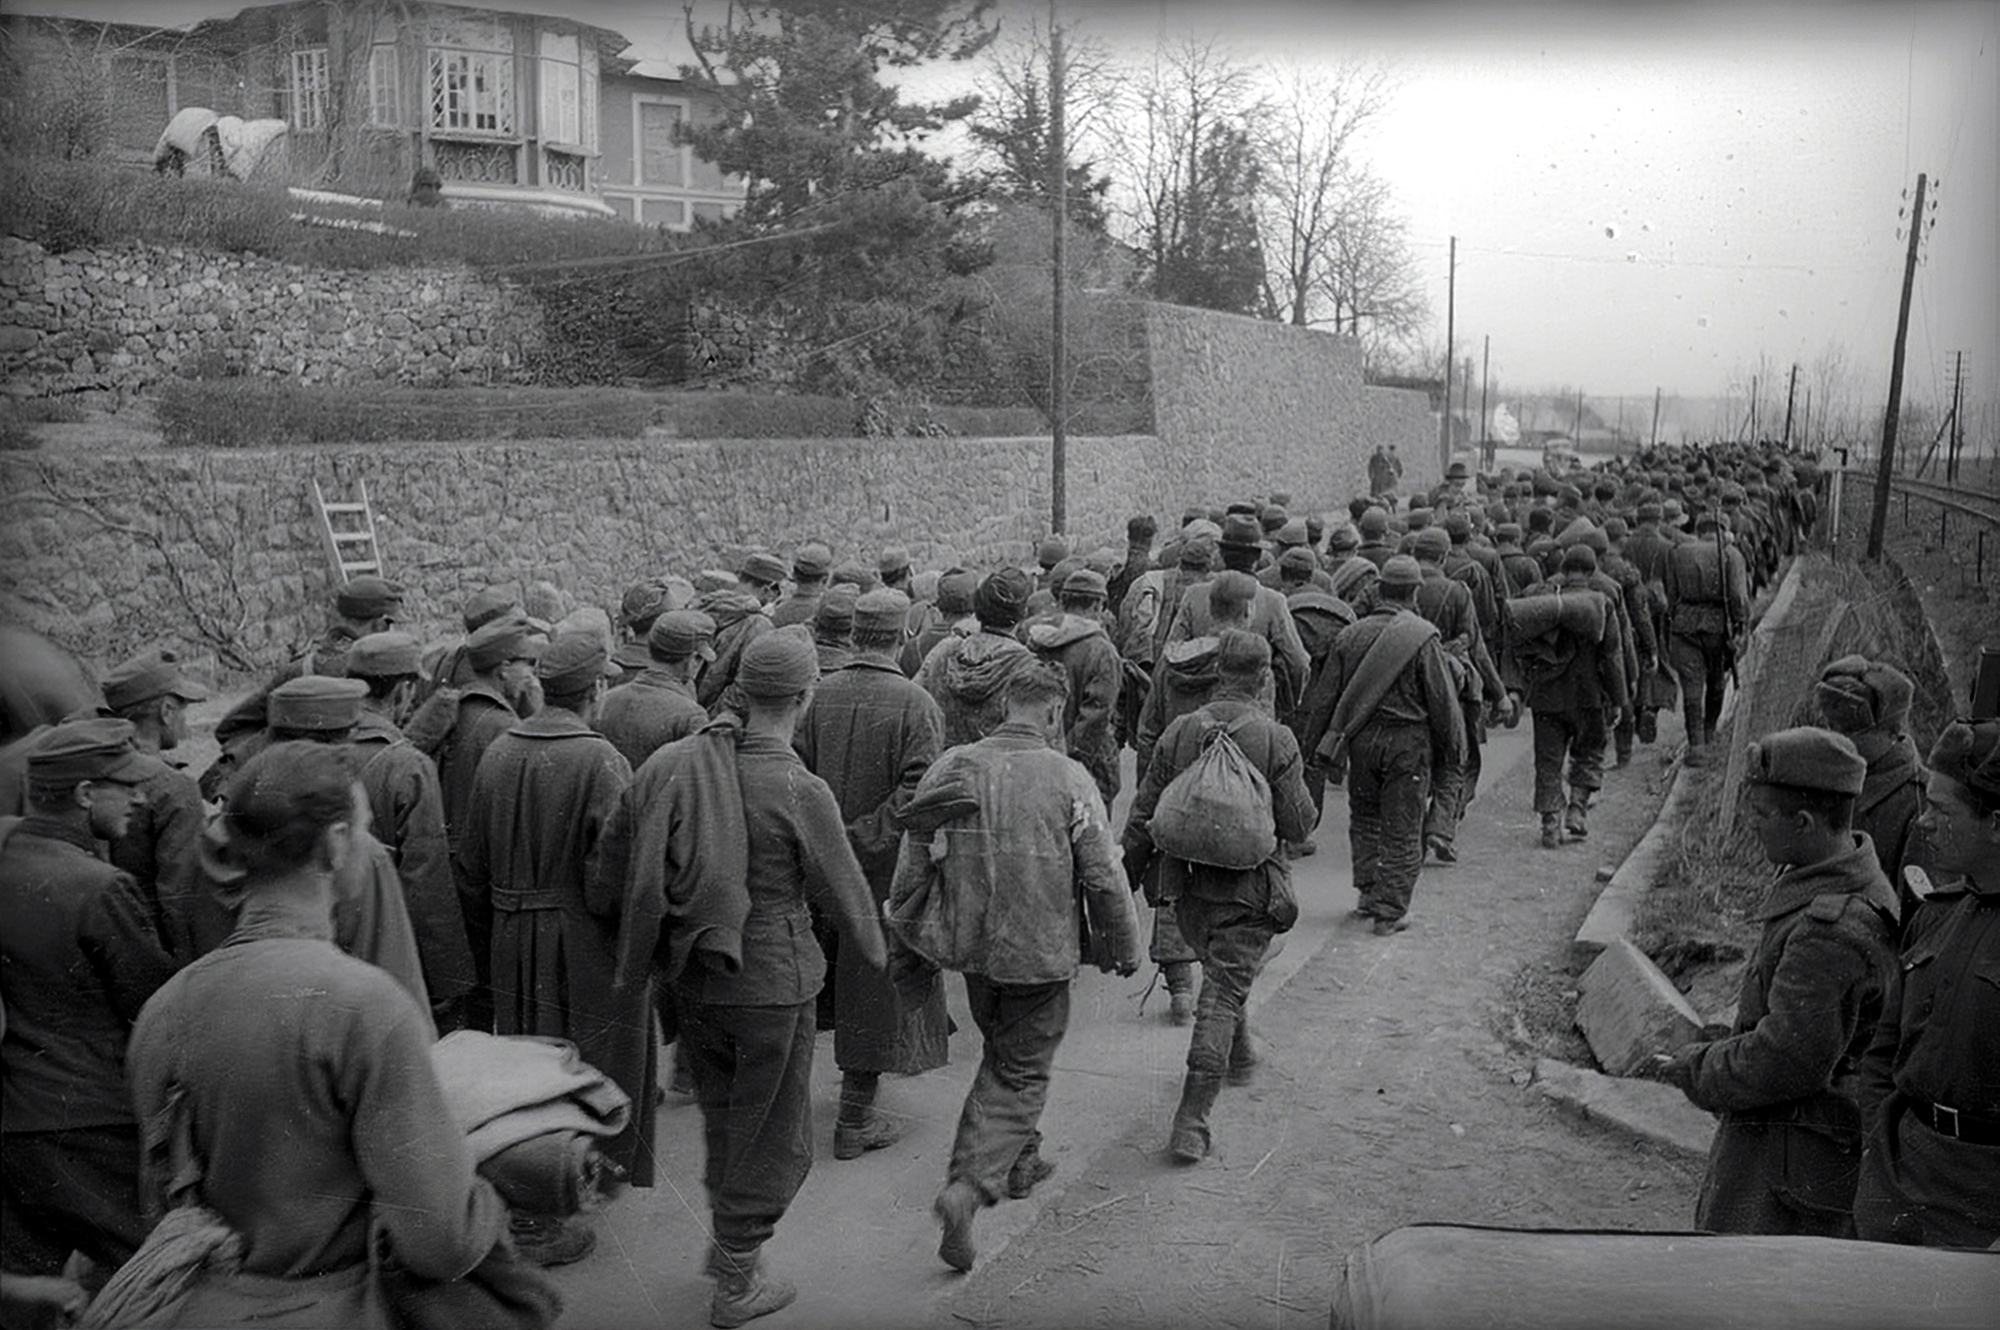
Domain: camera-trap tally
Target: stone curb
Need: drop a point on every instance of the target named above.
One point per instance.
(1650, 1110)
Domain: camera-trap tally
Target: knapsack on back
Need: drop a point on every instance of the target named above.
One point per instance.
(1216, 811)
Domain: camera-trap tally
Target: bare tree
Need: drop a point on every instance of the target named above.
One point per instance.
(1369, 278)
(1012, 126)
(1307, 141)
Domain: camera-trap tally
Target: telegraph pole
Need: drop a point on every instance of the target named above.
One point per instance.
(1058, 348)
(1791, 386)
(1957, 417)
(1885, 470)
(1485, 430)
(1450, 317)
(1656, 419)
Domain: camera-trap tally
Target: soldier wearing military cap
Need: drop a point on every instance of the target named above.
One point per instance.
(151, 691)
(953, 618)
(449, 668)
(1574, 678)
(1708, 608)
(659, 706)
(967, 675)
(1785, 1080)
(1869, 702)
(1449, 603)
(810, 568)
(1390, 717)
(870, 734)
(541, 799)
(833, 627)
(79, 956)
(763, 575)
(1930, 1175)
(716, 848)
(364, 605)
(406, 807)
(1052, 550)
(1073, 635)
(643, 604)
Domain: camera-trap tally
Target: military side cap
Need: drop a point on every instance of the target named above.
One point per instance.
(368, 597)
(678, 634)
(1806, 758)
(498, 642)
(385, 656)
(882, 611)
(1002, 596)
(1430, 543)
(486, 606)
(835, 613)
(1272, 517)
(92, 748)
(155, 674)
(763, 567)
(1374, 524)
(1969, 752)
(1292, 533)
(854, 573)
(892, 560)
(1298, 559)
(1579, 558)
(1052, 551)
(642, 601)
(1085, 582)
(713, 579)
(778, 665)
(813, 561)
(316, 702)
(1343, 538)
(572, 661)
(1241, 531)
(1400, 570)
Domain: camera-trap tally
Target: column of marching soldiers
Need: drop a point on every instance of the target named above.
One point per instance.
(784, 798)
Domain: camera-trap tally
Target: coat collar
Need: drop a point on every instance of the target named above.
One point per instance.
(1854, 870)
(552, 723)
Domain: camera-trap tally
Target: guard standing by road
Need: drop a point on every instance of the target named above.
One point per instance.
(1931, 1079)
(1385, 707)
(1786, 1079)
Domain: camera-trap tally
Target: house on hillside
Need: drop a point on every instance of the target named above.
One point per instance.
(510, 109)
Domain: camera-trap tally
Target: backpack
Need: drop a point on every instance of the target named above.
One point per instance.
(1217, 811)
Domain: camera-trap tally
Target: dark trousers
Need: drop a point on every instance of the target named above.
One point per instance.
(75, 1190)
(1452, 788)
(1577, 736)
(1925, 1189)
(1232, 941)
(1778, 1178)
(1700, 663)
(1388, 783)
(752, 1070)
(1168, 946)
(1023, 1025)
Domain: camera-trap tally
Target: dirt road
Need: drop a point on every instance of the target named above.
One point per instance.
(1393, 1092)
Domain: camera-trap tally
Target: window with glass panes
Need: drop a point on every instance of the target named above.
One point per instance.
(309, 88)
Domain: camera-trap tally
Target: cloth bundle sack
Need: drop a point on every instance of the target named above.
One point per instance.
(1217, 811)
(1579, 612)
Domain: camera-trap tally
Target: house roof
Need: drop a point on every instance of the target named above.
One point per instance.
(610, 44)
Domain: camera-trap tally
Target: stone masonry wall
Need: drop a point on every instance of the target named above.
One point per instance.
(111, 322)
(1267, 391)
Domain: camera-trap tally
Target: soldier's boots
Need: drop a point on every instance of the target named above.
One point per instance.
(1244, 1055)
(1189, 1142)
(1574, 823)
(955, 1206)
(1552, 832)
(744, 1288)
(1180, 991)
(851, 1140)
(551, 1239)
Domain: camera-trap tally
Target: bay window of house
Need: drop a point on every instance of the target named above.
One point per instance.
(309, 88)
(472, 76)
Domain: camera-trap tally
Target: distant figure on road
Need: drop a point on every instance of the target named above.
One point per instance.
(1786, 1079)
(1006, 848)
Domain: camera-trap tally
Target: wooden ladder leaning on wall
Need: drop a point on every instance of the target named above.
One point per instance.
(350, 540)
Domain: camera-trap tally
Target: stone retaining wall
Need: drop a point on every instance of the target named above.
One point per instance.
(114, 321)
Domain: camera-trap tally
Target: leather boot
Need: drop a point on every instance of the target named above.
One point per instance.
(1180, 991)
(1574, 822)
(955, 1206)
(744, 1288)
(1552, 832)
(1189, 1142)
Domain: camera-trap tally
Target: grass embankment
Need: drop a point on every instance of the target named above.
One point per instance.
(1695, 922)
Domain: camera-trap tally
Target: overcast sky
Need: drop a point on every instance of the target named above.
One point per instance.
(1650, 195)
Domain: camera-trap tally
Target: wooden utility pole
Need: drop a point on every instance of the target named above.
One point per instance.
(1058, 343)
(1450, 328)
(1791, 386)
(1485, 378)
(1577, 433)
(1753, 408)
(1878, 521)
(1656, 420)
(1957, 418)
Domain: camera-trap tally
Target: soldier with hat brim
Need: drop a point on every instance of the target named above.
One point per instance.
(1052, 551)
(1229, 916)
(79, 956)
(152, 692)
(1784, 1081)
(719, 843)
(1389, 718)
(406, 808)
(967, 676)
(1930, 1175)
(658, 706)
(870, 734)
(448, 667)
(953, 618)
(364, 605)
(810, 568)
(1263, 612)
(544, 792)
(641, 608)
(763, 575)
(833, 628)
